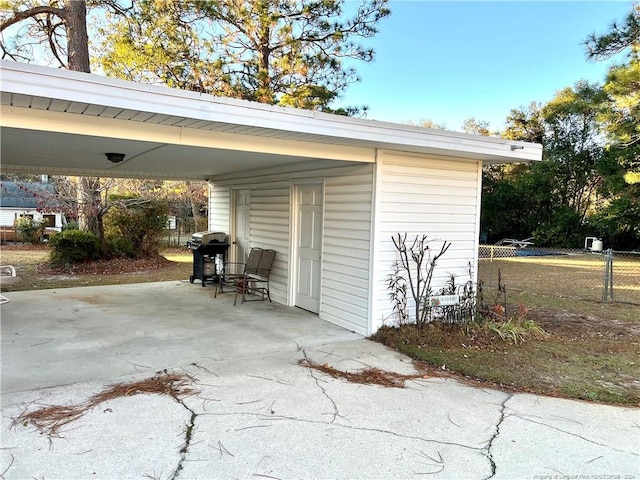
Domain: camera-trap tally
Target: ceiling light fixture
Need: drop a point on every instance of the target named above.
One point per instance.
(115, 157)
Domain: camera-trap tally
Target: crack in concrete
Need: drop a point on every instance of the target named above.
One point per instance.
(577, 436)
(336, 413)
(487, 449)
(197, 365)
(436, 465)
(8, 467)
(118, 356)
(350, 427)
(188, 436)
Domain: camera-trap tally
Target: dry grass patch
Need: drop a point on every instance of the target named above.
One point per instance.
(35, 273)
(580, 357)
(563, 276)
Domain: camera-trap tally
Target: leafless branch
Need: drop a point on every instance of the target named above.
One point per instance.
(17, 17)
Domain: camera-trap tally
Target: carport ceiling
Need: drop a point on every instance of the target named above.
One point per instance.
(60, 122)
(64, 153)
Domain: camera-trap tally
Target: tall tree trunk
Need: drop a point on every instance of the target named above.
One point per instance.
(196, 214)
(75, 16)
(195, 206)
(75, 12)
(90, 207)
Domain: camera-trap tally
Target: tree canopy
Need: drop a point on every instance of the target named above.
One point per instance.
(300, 53)
(621, 112)
(288, 52)
(588, 182)
(620, 37)
(53, 30)
(550, 200)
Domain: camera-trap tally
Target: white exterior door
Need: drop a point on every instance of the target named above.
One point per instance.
(242, 208)
(309, 247)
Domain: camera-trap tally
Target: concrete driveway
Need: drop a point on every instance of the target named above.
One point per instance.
(258, 413)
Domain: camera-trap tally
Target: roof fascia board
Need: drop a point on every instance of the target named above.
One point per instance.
(487, 153)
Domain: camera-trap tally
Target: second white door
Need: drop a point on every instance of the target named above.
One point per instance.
(309, 247)
(242, 205)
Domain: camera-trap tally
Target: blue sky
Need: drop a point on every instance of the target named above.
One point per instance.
(450, 60)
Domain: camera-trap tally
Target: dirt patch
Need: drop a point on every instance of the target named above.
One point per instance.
(573, 325)
(17, 254)
(24, 246)
(90, 299)
(110, 266)
(35, 273)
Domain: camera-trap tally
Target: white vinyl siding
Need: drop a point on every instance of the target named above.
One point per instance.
(347, 249)
(433, 196)
(219, 208)
(269, 228)
(268, 223)
(9, 215)
(346, 234)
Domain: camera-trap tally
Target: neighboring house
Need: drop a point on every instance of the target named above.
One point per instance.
(326, 192)
(29, 199)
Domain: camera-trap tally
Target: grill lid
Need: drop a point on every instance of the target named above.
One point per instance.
(203, 238)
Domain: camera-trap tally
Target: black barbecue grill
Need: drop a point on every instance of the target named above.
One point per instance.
(209, 255)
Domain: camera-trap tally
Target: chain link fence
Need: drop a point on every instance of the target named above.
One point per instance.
(608, 276)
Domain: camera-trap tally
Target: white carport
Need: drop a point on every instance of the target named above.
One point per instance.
(288, 172)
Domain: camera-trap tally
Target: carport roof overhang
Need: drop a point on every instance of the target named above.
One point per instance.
(62, 122)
